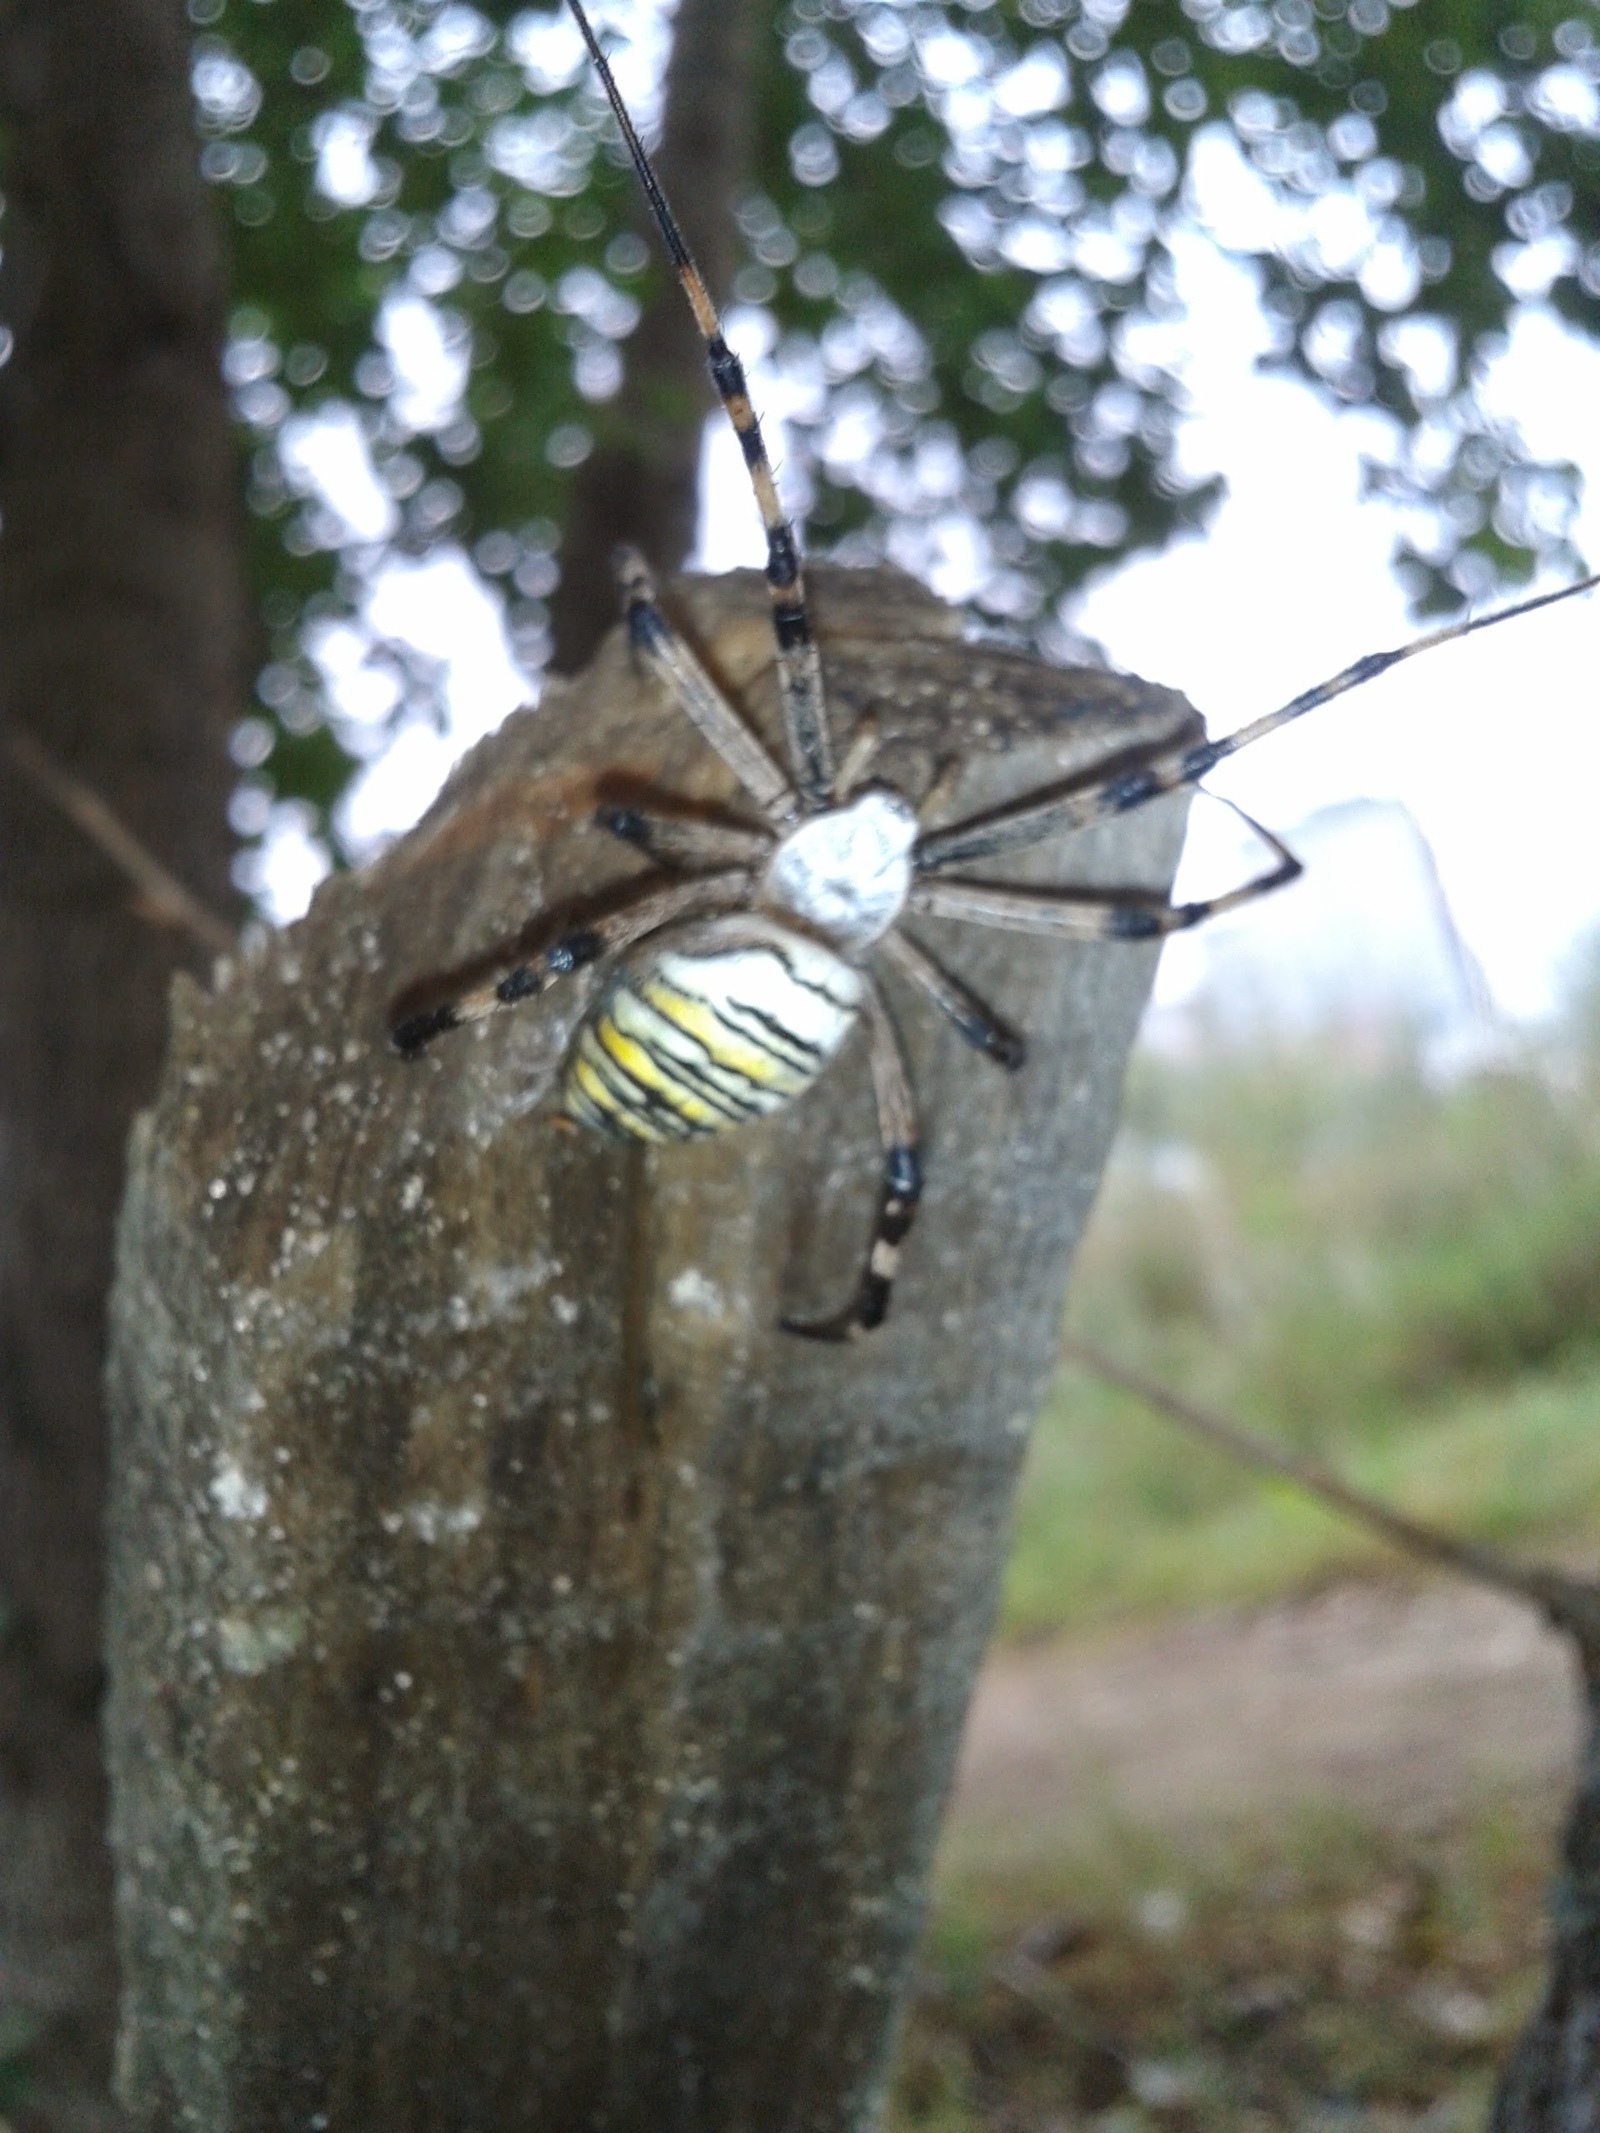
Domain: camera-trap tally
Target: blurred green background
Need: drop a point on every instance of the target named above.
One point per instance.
(1399, 1273)
(1401, 1277)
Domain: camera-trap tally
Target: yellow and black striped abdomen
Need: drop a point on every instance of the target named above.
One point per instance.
(706, 1028)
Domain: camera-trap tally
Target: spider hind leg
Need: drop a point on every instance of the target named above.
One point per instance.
(974, 1020)
(898, 1194)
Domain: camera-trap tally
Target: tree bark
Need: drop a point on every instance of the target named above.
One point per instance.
(119, 637)
(536, 1678)
(641, 483)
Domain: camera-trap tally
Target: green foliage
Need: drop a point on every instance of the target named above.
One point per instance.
(961, 231)
(1404, 1280)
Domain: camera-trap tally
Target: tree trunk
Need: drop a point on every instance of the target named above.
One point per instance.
(536, 1678)
(119, 635)
(1552, 2084)
(641, 483)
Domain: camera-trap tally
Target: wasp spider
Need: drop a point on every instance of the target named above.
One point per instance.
(730, 989)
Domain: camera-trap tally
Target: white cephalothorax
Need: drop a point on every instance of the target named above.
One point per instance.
(731, 987)
(846, 873)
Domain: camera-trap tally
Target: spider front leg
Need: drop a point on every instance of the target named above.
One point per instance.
(510, 976)
(1100, 797)
(1095, 914)
(899, 1193)
(663, 653)
(684, 841)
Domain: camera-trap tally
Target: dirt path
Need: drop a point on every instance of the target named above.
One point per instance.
(1400, 1703)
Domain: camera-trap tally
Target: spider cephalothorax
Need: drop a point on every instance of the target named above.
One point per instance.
(730, 989)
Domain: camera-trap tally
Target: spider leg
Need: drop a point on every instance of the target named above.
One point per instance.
(1163, 769)
(946, 777)
(1094, 914)
(799, 667)
(684, 841)
(977, 1023)
(663, 653)
(515, 975)
(857, 757)
(900, 1191)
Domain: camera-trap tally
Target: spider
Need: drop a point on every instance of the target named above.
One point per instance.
(730, 989)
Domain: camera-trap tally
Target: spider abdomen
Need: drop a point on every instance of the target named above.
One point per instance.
(707, 1027)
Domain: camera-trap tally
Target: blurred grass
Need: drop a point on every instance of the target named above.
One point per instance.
(1335, 1976)
(1399, 1276)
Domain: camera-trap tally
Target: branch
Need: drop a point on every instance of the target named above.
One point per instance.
(165, 898)
(1572, 1604)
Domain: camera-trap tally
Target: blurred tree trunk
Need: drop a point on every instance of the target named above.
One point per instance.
(119, 654)
(1552, 2084)
(640, 484)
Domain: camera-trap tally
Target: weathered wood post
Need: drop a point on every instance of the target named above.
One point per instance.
(536, 1677)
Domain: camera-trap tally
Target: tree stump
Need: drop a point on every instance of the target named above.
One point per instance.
(536, 1677)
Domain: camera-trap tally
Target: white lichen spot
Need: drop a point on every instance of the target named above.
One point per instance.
(249, 1644)
(402, 1681)
(565, 1309)
(234, 1493)
(500, 1289)
(432, 1521)
(411, 1193)
(218, 1188)
(690, 1291)
(561, 1585)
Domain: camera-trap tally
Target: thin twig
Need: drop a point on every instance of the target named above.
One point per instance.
(165, 897)
(1571, 1603)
